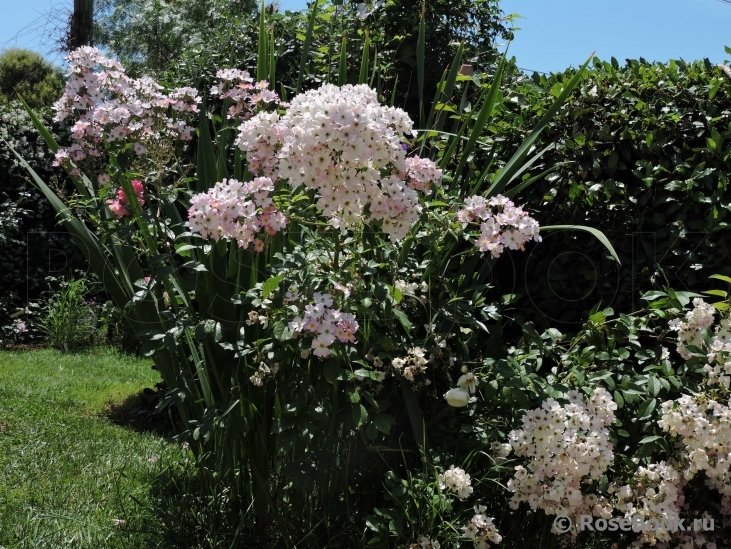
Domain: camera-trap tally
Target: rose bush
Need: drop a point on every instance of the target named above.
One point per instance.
(312, 293)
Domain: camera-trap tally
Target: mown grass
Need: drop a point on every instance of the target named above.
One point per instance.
(68, 475)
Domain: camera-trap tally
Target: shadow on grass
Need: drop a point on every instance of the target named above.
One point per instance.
(137, 412)
(185, 518)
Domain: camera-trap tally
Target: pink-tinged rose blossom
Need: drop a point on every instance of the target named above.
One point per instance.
(237, 210)
(112, 107)
(120, 206)
(502, 224)
(341, 142)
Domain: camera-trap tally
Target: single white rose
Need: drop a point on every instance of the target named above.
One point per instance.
(457, 398)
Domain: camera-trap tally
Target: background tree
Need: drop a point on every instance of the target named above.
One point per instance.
(81, 25)
(148, 36)
(394, 30)
(26, 73)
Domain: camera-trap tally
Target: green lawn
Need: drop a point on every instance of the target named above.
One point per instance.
(68, 474)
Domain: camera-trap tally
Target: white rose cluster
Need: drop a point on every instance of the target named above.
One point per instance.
(656, 495)
(422, 543)
(237, 86)
(413, 364)
(341, 142)
(691, 332)
(705, 428)
(698, 331)
(457, 481)
(567, 445)
(323, 322)
(481, 529)
(237, 210)
(466, 386)
(502, 224)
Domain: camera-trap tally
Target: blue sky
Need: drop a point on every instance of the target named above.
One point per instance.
(554, 34)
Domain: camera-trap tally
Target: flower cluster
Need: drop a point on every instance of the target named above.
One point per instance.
(325, 323)
(691, 332)
(656, 494)
(262, 372)
(421, 173)
(344, 144)
(422, 543)
(111, 107)
(256, 318)
(501, 451)
(566, 445)
(466, 386)
(689, 540)
(502, 224)
(705, 428)
(414, 363)
(696, 331)
(481, 529)
(120, 205)
(232, 209)
(238, 86)
(410, 287)
(457, 481)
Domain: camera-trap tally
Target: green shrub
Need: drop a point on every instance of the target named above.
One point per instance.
(119, 334)
(642, 153)
(26, 73)
(69, 319)
(32, 245)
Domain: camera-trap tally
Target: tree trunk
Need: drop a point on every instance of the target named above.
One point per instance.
(81, 24)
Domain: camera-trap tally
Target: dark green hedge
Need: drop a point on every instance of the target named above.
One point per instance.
(32, 246)
(643, 152)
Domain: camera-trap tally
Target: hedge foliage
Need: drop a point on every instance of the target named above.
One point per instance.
(642, 153)
(32, 246)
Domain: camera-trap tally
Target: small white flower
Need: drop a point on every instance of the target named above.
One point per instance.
(468, 382)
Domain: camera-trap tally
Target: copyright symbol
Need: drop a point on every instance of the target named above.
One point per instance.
(562, 524)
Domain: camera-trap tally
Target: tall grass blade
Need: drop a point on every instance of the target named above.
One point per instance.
(596, 232)
(82, 183)
(304, 69)
(363, 77)
(206, 157)
(420, 55)
(483, 117)
(87, 241)
(343, 72)
(272, 61)
(528, 182)
(445, 93)
(526, 166)
(45, 134)
(376, 72)
(416, 417)
(393, 92)
(262, 70)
